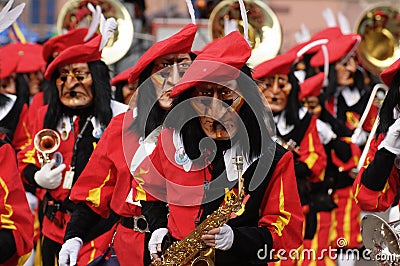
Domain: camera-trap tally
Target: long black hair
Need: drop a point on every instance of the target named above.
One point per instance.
(392, 100)
(101, 90)
(149, 114)
(293, 104)
(252, 114)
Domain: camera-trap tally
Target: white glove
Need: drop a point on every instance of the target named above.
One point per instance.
(391, 142)
(224, 239)
(156, 238)
(361, 138)
(49, 178)
(69, 252)
(325, 132)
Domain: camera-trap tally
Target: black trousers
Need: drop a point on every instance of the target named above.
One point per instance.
(50, 250)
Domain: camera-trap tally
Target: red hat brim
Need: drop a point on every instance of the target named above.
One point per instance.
(279, 65)
(388, 74)
(123, 76)
(60, 43)
(8, 63)
(337, 49)
(30, 56)
(81, 53)
(178, 43)
(219, 61)
(311, 86)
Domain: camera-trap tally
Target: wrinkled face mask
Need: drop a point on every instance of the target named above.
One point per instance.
(166, 73)
(276, 90)
(74, 85)
(217, 106)
(345, 71)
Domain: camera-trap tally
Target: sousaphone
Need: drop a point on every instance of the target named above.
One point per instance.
(265, 34)
(380, 31)
(75, 14)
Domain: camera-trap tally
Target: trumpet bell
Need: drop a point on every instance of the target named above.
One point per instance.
(46, 141)
(75, 14)
(380, 31)
(381, 238)
(265, 34)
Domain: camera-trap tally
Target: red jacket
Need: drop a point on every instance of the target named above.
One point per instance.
(279, 210)
(15, 214)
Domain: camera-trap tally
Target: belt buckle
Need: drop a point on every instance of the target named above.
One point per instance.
(140, 219)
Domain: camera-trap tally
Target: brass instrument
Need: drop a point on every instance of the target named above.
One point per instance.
(377, 96)
(380, 31)
(75, 14)
(265, 34)
(382, 238)
(46, 142)
(192, 249)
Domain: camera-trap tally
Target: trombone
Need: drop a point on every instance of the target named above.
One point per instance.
(378, 94)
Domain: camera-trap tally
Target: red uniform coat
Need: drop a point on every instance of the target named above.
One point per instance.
(15, 214)
(279, 212)
(106, 181)
(376, 200)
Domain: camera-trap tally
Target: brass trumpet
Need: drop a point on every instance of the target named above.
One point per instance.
(46, 142)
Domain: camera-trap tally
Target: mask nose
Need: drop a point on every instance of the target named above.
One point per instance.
(216, 109)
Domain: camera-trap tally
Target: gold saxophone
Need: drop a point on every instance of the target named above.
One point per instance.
(191, 250)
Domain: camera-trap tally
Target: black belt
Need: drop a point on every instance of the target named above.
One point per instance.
(136, 223)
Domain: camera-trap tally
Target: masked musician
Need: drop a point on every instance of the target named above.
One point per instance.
(342, 157)
(377, 182)
(109, 171)
(343, 102)
(218, 114)
(16, 220)
(295, 127)
(79, 109)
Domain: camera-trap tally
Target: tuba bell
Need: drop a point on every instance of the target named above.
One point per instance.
(382, 239)
(75, 14)
(46, 142)
(265, 34)
(380, 31)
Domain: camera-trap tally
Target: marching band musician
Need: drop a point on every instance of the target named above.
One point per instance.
(342, 157)
(79, 109)
(224, 116)
(377, 182)
(16, 220)
(343, 102)
(108, 172)
(295, 126)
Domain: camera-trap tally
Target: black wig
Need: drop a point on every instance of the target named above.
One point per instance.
(101, 90)
(392, 100)
(253, 116)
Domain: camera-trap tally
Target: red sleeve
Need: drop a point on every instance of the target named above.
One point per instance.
(350, 164)
(312, 152)
(375, 200)
(14, 209)
(281, 210)
(22, 137)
